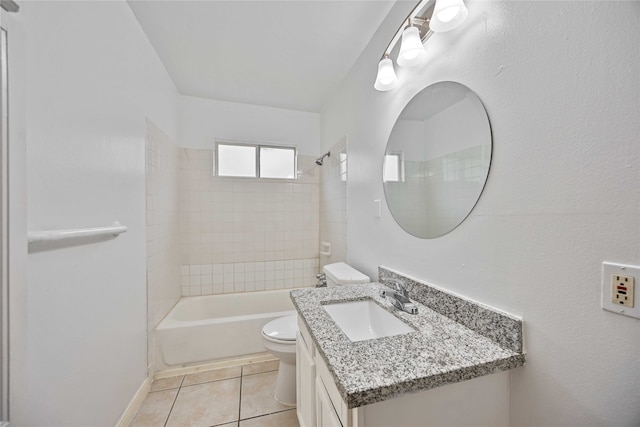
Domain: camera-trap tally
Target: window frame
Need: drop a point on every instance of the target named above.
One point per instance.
(399, 155)
(257, 146)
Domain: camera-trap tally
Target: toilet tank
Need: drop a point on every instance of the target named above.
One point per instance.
(339, 274)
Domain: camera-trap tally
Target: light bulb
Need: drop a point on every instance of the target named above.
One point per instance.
(411, 50)
(448, 15)
(386, 78)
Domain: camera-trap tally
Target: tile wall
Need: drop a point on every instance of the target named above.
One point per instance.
(162, 229)
(207, 279)
(244, 234)
(333, 205)
(439, 189)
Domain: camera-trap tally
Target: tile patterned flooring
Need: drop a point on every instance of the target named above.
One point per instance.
(239, 396)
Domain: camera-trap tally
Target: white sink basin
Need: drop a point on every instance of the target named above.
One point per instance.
(364, 320)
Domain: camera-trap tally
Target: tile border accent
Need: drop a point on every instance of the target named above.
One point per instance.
(239, 277)
(502, 328)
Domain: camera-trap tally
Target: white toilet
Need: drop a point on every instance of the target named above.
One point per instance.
(339, 274)
(279, 335)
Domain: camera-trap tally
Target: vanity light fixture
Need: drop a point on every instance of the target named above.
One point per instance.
(386, 79)
(412, 51)
(428, 17)
(448, 15)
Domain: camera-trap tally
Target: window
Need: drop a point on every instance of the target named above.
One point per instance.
(342, 166)
(392, 169)
(277, 163)
(255, 161)
(236, 160)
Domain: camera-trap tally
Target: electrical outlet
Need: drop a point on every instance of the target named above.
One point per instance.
(622, 290)
(618, 289)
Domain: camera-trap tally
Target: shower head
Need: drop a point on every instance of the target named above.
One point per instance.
(320, 160)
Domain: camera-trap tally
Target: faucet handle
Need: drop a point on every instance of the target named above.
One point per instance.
(322, 280)
(399, 286)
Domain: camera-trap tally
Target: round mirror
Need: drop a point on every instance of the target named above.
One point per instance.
(437, 159)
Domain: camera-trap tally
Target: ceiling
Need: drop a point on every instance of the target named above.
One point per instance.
(433, 100)
(287, 54)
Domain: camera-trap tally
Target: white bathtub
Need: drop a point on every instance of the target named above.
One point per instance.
(200, 329)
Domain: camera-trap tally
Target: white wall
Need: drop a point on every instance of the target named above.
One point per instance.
(92, 79)
(203, 120)
(562, 194)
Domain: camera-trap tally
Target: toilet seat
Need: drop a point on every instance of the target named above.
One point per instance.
(282, 329)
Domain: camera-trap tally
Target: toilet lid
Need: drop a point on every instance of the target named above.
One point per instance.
(343, 274)
(282, 328)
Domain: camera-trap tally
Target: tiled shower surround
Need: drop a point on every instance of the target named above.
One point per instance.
(438, 189)
(210, 279)
(163, 250)
(333, 206)
(246, 234)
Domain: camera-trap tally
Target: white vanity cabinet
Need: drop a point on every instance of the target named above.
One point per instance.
(481, 401)
(326, 415)
(305, 378)
(318, 401)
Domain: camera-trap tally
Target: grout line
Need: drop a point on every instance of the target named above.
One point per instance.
(172, 405)
(211, 381)
(242, 374)
(270, 413)
(240, 395)
(258, 373)
(226, 423)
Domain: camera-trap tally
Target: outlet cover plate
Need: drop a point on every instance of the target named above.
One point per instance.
(608, 269)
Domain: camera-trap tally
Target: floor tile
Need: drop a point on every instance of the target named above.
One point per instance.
(166, 383)
(281, 419)
(155, 409)
(257, 395)
(213, 375)
(258, 368)
(206, 404)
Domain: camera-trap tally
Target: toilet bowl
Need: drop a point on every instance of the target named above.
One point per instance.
(279, 338)
(279, 335)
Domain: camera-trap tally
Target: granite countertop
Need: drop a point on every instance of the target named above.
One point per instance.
(441, 351)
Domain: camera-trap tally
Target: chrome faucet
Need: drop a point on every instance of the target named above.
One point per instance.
(400, 287)
(399, 297)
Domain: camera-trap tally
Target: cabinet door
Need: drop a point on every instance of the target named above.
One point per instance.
(305, 384)
(326, 414)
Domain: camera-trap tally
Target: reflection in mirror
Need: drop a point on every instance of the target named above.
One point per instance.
(437, 159)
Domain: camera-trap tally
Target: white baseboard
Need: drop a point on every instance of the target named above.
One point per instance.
(135, 404)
